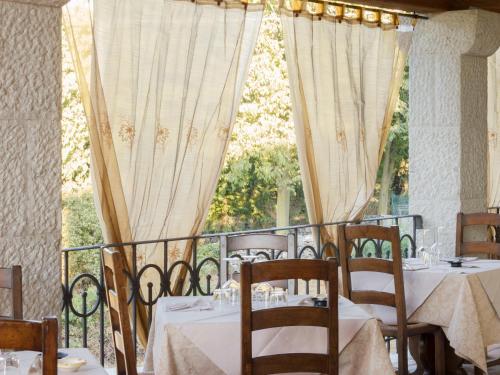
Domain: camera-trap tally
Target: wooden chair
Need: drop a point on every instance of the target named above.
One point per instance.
(12, 279)
(306, 269)
(403, 330)
(260, 241)
(31, 335)
(116, 294)
(490, 249)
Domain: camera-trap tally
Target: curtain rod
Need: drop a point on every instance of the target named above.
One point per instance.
(368, 7)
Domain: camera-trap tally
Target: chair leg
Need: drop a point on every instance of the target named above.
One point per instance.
(439, 355)
(402, 348)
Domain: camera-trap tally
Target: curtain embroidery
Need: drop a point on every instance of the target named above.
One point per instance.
(162, 135)
(127, 132)
(192, 137)
(223, 132)
(106, 130)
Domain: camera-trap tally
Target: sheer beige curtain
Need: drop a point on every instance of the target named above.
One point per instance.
(345, 80)
(494, 130)
(161, 83)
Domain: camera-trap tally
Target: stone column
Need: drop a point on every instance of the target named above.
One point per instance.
(448, 127)
(30, 150)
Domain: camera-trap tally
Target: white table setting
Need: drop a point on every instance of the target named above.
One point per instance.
(198, 335)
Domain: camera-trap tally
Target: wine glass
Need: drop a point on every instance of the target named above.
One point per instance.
(234, 266)
(420, 245)
(12, 365)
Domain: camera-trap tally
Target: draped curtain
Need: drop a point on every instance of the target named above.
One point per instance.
(494, 130)
(345, 79)
(161, 83)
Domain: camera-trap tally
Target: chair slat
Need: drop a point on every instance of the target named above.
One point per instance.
(290, 363)
(475, 247)
(375, 232)
(290, 269)
(257, 241)
(289, 316)
(370, 297)
(482, 218)
(32, 335)
(21, 335)
(371, 264)
(488, 248)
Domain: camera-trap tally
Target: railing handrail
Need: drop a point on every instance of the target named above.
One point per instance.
(248, 231)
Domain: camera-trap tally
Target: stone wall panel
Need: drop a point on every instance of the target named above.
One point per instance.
(30, 151)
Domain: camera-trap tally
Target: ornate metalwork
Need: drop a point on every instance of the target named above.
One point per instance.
(203, 275)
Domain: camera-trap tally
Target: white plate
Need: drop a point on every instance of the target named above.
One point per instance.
(469, 259)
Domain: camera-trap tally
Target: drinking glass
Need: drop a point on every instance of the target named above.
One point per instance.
(429, 238)
(3, 363)
(234, 266)
(219, 296)
(419, 239)
(234, 296)
(12, 365)
(278, 297)
(261, 294)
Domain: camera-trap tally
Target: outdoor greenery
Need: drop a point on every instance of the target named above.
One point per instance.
(262, 157)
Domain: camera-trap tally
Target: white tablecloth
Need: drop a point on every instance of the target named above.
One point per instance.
(208, 342)
(92, 367)
(420, 284)
(464, 301)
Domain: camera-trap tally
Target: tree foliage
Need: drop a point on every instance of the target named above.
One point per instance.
(262, 155)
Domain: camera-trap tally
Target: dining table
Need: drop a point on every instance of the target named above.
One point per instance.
(464, 301)
(196, 335)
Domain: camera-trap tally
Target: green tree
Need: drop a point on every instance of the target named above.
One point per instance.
(261, 165)
(75, 135)
(393, 172)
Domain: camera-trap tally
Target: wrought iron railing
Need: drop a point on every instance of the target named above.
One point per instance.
(83, 314)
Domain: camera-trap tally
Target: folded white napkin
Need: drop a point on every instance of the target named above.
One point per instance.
(414, 264)
(193, 305)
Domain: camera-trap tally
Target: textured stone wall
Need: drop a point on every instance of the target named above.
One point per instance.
(448, 116)
(30, 151)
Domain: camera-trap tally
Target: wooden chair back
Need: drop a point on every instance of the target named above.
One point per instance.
(115, 281)
(12, 279)
(306, 269)
(31, 335)
(488, 248)
(347, 235)
(259, 241)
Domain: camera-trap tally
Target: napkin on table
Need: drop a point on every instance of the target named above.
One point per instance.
(193, 305)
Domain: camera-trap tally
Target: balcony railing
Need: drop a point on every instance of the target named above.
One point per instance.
(85, 321)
